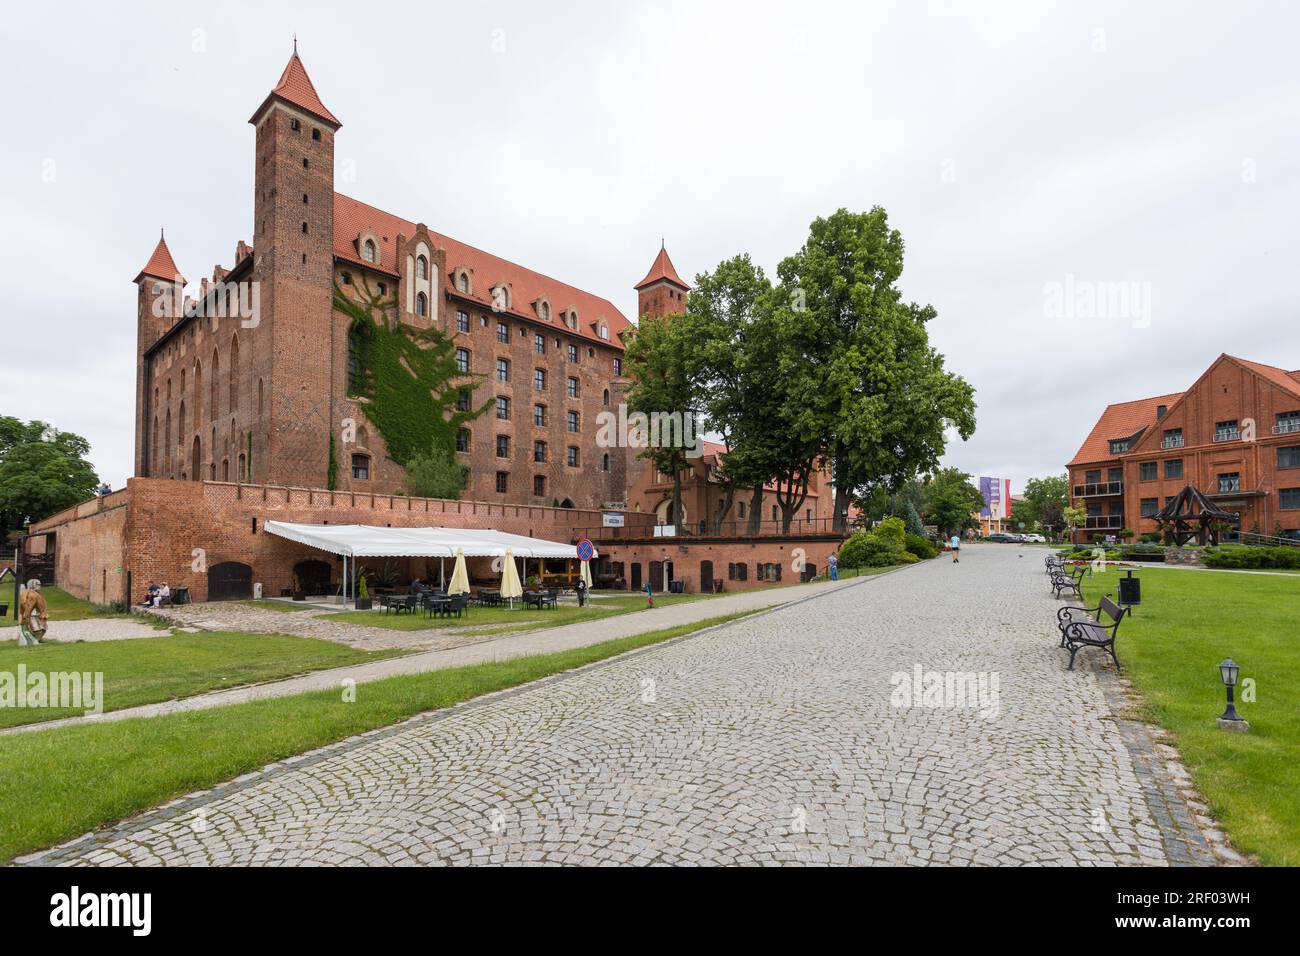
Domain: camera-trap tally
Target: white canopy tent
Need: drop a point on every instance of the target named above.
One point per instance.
(369, 541)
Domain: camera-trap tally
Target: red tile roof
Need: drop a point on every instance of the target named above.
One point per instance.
(352, 217)
(662, 268)
(1119, 421)
(1283, 379)
(295, 87)
(161, 265)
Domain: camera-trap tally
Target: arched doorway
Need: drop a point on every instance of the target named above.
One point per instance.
(230, 581)
(314, 577)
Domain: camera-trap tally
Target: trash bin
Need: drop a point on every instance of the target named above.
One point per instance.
(1130, 590)
(676, 587)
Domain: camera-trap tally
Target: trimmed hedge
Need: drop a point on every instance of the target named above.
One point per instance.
(1252, 558)
(920, 546)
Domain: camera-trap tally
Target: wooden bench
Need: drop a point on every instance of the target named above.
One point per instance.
(1070, 579)
(1079, 630)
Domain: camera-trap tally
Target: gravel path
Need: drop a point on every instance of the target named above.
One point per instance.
(781, 738)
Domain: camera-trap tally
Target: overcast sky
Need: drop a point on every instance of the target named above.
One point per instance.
(1015, 145)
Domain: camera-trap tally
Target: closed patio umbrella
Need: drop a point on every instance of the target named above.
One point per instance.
(459, 575)
(510, 586)
(586, 574)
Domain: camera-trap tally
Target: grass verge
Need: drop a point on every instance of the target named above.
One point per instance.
(1171, 648)
(60, 605)
(56, 784)
(152, 669)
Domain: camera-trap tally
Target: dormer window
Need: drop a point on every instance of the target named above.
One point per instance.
(603, 331)
(571, 319)
(462, 282)
(369, 252)
(544, 310)
(501, 298)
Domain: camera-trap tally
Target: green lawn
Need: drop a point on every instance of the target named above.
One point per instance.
(151, 669)
(61, 605)
(1187, 623)
(516, 619)
(56, 784)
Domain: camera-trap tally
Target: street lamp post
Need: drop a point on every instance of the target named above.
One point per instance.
(1229, 671)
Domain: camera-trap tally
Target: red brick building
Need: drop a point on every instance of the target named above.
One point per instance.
(246, 409)
(1234, 434)
(257, 398)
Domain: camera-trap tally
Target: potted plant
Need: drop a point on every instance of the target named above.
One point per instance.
(296, 587)
(364, 602)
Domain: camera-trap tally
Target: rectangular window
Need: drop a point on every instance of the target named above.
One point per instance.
(462, 400)
(573, 457)
(573, 387)
(462, 360)
(1229, 482)
(503, 370)
(1147, 471)
(539, 486)
(503, 482)
(1174, 468)
(539, 379)
(503, 333)
(503, 408)
(618, 366)
(539, 343)
(1173, 438)
(462, 439)
(1150, 506)
(503, 446)
(361, 467)
(1115, 475)
(1226, 431)
(1288, 456)
(573, 353)
(1119, 446)
(539, 415)
(1288, 499)
(1092, 477)
(1287, 423)
(462, 321)
(573, 422)
(539, 451)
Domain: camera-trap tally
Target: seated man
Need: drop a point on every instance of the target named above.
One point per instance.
(163, 596)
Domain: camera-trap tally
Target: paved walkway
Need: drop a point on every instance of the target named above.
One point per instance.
(451, 651)
(780, 738)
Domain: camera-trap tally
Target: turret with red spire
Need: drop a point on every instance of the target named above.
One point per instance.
(160, 299)
(662, 291)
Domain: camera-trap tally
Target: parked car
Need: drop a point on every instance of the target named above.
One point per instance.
(1033, 539)
(1001, 537)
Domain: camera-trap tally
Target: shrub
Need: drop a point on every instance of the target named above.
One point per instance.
(1151, 537)
(1253, 558)
(920, 546)
(865, 550)
(892, 531)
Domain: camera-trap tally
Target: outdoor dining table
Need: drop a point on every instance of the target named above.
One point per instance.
(489, 596)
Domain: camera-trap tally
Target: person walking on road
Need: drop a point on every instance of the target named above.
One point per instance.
(956, 547)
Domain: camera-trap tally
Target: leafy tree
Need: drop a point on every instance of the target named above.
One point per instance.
(1073, 518)
(1050, 497)
(951, 501)
(436, 474)
(658, 358)
(876, 395)
(1024, 515)
(42, 471)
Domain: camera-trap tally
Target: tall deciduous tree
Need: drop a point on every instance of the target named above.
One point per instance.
(658, 359)
(42, 471)
(1050, 496)
(876, 394)
(951, 501)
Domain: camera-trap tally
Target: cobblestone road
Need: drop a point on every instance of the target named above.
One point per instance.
(775, 739)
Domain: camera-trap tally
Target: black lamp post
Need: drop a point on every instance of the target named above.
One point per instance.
(1230, 719)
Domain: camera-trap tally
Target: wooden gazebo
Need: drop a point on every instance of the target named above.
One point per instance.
(1192, 515)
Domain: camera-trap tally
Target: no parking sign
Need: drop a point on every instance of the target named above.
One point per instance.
(585, 550)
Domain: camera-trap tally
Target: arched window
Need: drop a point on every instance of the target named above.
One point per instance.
(198, 394)
(234, 373)
(180, 426)
(421, 304)
(259, 398)
(369, 252)
(462, 282)
(421, 268)
(546, 311)
(215, 398)
(604, 462)
(605, 397)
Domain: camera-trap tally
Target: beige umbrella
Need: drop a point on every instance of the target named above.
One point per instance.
(586, 573)
(459, 575)
(510, 586)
